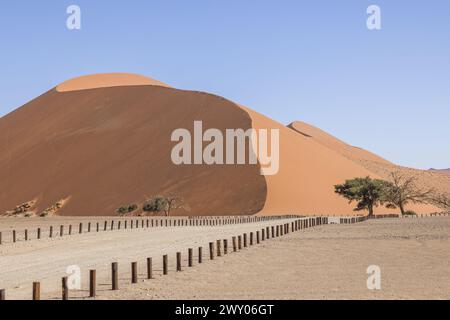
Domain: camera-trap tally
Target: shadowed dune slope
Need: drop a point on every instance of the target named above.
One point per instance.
(106, 147)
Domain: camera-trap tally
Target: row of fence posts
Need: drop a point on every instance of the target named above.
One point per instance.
(216, 249)
(145, 223)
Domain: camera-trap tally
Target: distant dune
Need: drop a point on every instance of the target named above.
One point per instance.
(98, 142)
(446, 171)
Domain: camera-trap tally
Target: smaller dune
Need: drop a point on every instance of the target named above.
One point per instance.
(108, 80)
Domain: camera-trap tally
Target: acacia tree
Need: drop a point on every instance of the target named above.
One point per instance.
(366, 191)
(402, 190)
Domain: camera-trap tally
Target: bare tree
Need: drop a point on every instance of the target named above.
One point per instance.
(402, 190)
(175, 202)
(442, 200)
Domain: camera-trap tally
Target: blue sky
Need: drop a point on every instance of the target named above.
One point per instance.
(387, 91)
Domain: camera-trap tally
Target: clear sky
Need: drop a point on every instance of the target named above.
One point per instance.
(386, 90)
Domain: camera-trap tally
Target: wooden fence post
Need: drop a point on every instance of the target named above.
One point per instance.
(149, 268)
(65, 289)
(51, 232)
(134, 275)
(190, 253)
(36, 291)
(234, 244)
(200, 255)
(26, 235)
(211, 250)
(239, 242)
(165, 267)
(92, 283)
(245, 240)
(219, 249)
(257, 237)
(61, 231)
(14, 236)
(115, 275)
(80, 231)
(178, 261)
(225, 246)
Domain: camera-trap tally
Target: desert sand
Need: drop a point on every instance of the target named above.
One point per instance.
(46, 260)
(327, 262)
(436, 180)
(99, 142)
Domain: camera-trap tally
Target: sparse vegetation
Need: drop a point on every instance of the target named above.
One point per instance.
(402, 190)
(127, 209)
(164, 204)
(367, 192)
(441, 200)
(397, 193)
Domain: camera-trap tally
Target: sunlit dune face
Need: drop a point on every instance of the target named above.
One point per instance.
(107, 80)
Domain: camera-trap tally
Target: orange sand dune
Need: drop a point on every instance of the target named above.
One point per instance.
(106, 147)
(308, 171)
(103, 141)
(107, 80)
(425, 179)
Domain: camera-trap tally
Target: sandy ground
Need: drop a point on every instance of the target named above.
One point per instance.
(46, 260)
(327, 262)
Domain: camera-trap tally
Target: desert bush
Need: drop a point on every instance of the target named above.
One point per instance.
(410, 213)
(127, 209)
(157, 204)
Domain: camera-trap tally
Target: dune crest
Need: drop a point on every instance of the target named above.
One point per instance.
(107, 80)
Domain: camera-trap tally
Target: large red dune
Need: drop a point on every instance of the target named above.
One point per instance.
(98, 142)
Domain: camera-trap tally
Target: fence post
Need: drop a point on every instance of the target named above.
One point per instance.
(211, 250)
(149, 268)
(257, 237)
(245, 240)
(178, 261)
(165, 269)
(80, 231)
(26, 235)
(134, 276)
(65, 289)
(200, 255)
(225, 246)
(36, 291)
(61, 231)
(92, 283)
(190, 254)
(239, 242)
(234, 244)
(14, 236)
(219, 249)
(51, 232)
(115, 276)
